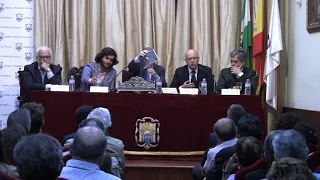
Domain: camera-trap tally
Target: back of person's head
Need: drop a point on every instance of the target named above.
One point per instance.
(290, 143)
(106, 163)
(248, 151)
(103, 115)
(290, 169)
(82, 113)
(225, 129)
(287, 121)
(89, 144)
(38, 157)
(37, 116)
(235, 112)
(20, 116)
(91, 122)
(250, 125)
(10, 137)
(267, 146)
(308, 132)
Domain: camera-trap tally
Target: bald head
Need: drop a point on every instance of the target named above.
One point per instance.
(225, 129)
(89, 144)
(192, 58)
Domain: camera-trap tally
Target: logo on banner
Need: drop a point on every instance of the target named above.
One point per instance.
(1, 65)
(28, 56)
(19, 17)
(29, 1)
(1, 7)
(17, 74)
(1, 36)
(28, 27)
(18, 46)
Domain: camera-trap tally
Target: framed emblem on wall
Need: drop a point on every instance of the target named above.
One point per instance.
(313, 15)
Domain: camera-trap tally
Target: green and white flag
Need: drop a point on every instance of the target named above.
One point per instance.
(246, 30)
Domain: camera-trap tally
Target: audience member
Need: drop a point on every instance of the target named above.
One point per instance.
(38, 157)
(115, 169)
(235, 112)
(308, 132)
(248, 151)
(10, 137)
(37, 116)
(114, 145)
(226, 132)
(22, 117)
(290, 169)
(80, 114)
(250, 125)
(291, 143)
(5, 167)
(268, 153)
(287, 121)
(87, 149)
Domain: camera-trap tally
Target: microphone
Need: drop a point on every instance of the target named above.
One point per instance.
(211, 75)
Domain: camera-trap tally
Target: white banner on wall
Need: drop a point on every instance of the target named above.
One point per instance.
(16, 51)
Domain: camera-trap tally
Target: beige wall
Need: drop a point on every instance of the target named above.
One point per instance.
(300, 60)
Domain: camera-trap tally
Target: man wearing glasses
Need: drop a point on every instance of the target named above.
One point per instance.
(41, 74)
(190, 75)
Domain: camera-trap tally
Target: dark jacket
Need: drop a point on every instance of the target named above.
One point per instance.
(181, 75)
(222, 156)
(228, 80)
(33, 79)
(137, 70)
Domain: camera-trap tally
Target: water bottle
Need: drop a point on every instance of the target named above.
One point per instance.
(72, 84)
(247, 89)
(158, 86)
(204, 86)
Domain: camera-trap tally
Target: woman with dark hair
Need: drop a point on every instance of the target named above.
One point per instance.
(100, 72)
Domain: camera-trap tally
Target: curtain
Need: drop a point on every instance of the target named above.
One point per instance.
(76, 30)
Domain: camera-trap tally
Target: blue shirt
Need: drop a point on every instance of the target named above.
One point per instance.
(81, 170)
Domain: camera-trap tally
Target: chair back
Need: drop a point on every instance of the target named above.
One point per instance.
(21, 83)
(4, 176)
(126, 75)
(313, 160)
(261, 164)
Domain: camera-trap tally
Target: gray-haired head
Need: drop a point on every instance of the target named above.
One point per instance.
(225, 129)
(290, 143)
(103, 115)
(38, 156)
(43, 48)
(21, 117)
(241, 55)
(268, 147)
(235, 112)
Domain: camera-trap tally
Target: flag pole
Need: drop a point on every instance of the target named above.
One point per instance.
(279, 105)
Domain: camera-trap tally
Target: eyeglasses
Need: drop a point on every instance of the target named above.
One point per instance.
(190, 58)
(45, 57)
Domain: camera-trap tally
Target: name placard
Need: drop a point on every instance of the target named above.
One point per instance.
(230, 91)
(62, 88)
(99, 89)
(191, 91)
(169, 91)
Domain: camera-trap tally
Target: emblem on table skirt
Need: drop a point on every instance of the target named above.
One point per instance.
(147, 132)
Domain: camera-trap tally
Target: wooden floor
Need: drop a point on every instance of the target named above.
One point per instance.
(158, 170)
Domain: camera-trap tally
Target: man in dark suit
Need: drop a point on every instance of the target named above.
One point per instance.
(151, 73)
(237, 73)
(41, 74)
(190, 75)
